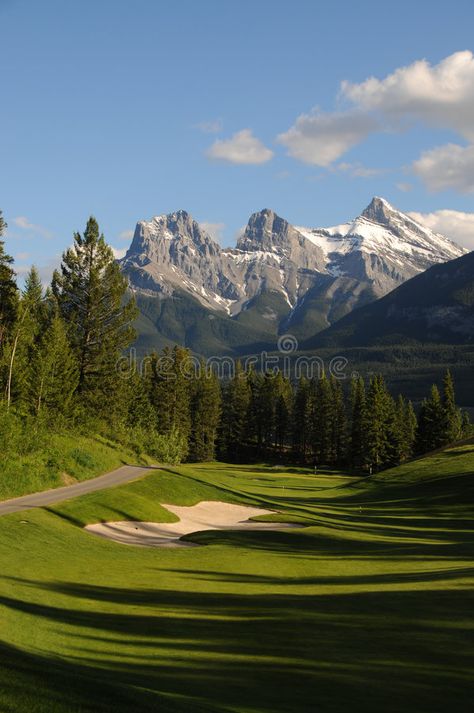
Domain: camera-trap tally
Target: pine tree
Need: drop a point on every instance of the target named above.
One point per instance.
(17, 350)
(32, 321)
(358, 436)
(398, 432)
(301, 422)
(41, 304)
(466, 426)
(338, 423)
(323, 422)
(267, 409)
(91, 294)
(205, 414)
(256, 427)
(8, 288)
(53, 375)
(283, 400)
(33, 292)
(431, 423)
(379, 421)
(452, 425)
(234, 420)
(169, 385)
(410, 425)
(140, 413)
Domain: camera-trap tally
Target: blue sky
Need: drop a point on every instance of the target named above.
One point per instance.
(114, 108)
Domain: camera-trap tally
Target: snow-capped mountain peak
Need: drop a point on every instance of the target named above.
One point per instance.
(382, 233)
(339, 267)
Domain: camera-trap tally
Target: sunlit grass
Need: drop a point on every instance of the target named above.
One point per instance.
(61, 459)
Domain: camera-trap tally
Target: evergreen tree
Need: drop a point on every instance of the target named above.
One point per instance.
(16, 352)
(452, 425)
(256, 427)
(379, 419)
(33, 292)
(32, 321)
(140, 413)
(358, 437)
(169, 385)
(431, 423)
(267, 396)
(205, 414)
(466, 426)
(302, 426)
(91, 294)
(234, 420)
(8, 288)
(338, 423)
(283, 399)
(409, 427)
(323, 422)
(398, 435)
(53, 375)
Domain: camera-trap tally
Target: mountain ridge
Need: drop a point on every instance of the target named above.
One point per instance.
(280, 277)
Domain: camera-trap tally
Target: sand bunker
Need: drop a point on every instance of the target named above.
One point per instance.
(206, 515)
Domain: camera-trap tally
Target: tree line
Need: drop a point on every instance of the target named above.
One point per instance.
(318, 422)
(59, 351)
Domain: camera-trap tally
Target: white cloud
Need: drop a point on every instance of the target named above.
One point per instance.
(242, 148)
(214, 229)
(454, 224)
(25, 224)
(22, 256)
(405, 187)
(437, 95)
(22, 270)
(119, 253)
(45, 270)
(319, 138)
(239, 232)
(357, 170)
(126, 235)
(440, 95)
(210, 127)
(447, 167)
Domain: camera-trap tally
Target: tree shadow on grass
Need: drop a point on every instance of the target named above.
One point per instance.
(33, 683)
(374, 650)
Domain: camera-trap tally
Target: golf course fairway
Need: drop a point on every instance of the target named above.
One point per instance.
(367, 607)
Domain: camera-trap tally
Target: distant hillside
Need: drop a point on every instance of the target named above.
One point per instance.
(434, 307)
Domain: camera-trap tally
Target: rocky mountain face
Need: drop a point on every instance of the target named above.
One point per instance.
(382, 246)
(173, 252)
(278, 278)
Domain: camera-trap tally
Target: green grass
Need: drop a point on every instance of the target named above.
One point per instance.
(368, 608)
(61, 459)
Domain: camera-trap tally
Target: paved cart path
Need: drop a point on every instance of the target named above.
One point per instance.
(124, 474)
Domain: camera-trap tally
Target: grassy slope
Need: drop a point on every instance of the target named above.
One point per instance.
(64, 459)
(369, 608)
